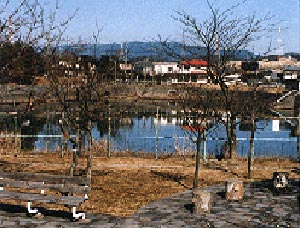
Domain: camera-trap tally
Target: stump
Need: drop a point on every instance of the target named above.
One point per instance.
(201, 200)
(234, 189)
(280, 180)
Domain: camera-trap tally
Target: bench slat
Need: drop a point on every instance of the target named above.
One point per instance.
(40, 186)
(48, 178)
(33, 197)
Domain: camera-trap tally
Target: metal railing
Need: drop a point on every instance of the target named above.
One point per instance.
(263, 147)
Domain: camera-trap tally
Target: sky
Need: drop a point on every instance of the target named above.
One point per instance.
(143, 20)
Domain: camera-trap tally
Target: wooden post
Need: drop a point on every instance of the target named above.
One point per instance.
(234, 189)
(201, 201)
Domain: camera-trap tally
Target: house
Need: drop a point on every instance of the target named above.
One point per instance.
(193, 66)
(291, 77)
(291, 72)
(126, 70)
(277, 64)
(193, 71)
(72, 70)
(143, 70)
(232, 79)
(161, 68)
(164, 71)
(126, 67)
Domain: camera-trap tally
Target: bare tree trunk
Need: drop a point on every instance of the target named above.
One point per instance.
(228, 132)
(75, 152)
(251, 151)
(198, 156)
(82, 141)
(65, 137)
(89, 156)
(204, 145)
(298, 138)
(232, 149)
(108, 138)
(156, 134)
(62, 147)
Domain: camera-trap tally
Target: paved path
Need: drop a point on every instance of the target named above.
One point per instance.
(259, 208)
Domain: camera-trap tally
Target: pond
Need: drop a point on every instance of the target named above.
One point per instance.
(272, 138)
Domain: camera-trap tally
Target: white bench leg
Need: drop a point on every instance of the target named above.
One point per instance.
(77, 215)
(31, 210)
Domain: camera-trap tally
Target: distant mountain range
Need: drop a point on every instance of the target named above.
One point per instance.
(153, 51)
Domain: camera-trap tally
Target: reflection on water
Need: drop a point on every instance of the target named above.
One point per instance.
(148, 134)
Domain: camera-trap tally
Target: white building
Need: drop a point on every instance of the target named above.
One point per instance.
(165, 67)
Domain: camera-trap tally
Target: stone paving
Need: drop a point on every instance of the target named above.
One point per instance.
(259, 208)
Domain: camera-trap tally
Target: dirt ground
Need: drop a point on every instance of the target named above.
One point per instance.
(121, 184)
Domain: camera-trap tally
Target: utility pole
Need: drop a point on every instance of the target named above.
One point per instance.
(279, 44)
(126, 60)
(126, 53)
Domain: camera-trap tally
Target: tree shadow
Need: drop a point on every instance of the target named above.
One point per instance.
(172, 177)
(221, 194)
(189, 207)
(13, 209)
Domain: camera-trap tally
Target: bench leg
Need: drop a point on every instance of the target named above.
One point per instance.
(31, 210)
(77, 215)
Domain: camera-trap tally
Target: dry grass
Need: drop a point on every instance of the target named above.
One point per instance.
(123, 183)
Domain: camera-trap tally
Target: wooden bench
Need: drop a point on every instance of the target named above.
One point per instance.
(50, 189)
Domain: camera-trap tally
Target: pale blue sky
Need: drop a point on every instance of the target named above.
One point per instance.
(139, 20)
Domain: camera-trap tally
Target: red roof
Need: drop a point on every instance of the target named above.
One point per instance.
(195, 62)
(191, 128)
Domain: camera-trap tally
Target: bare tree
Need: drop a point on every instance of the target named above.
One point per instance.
(203, 114)
(75, 80)
(33, 24)
(217, 39)
(198, 119)
(220, 36)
